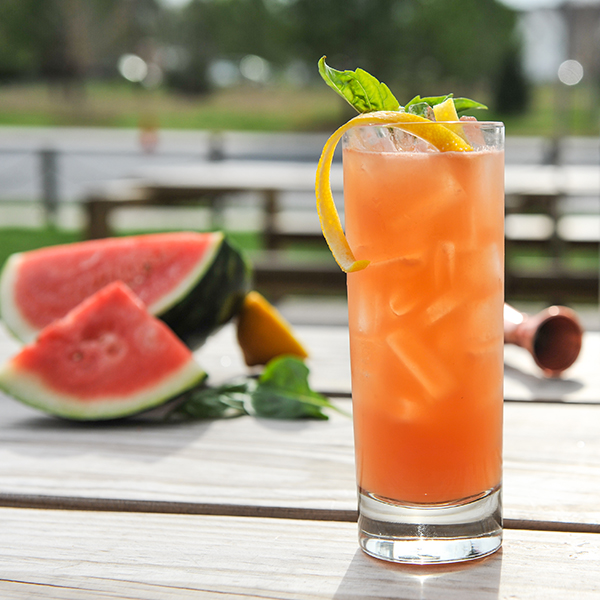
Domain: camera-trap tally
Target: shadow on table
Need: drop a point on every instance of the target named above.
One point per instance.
(368, 577)
(145, 438)
(542, 387)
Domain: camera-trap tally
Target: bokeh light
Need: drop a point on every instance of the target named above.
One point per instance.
(570, 72)
(132, 67)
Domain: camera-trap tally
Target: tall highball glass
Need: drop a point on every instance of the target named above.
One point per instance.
(426, 340)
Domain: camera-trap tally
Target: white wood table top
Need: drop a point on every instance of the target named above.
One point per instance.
(259, 508)
(73, 555)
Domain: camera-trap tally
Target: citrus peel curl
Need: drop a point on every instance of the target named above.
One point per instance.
(439, 136)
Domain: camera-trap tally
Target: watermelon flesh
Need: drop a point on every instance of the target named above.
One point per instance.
(107, 358)
(171, 274)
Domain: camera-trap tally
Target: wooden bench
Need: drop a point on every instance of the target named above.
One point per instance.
(207, 183)
(530, 190)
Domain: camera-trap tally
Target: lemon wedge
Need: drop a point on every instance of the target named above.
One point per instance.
(439, 136)
(446, 111)
(263, 333)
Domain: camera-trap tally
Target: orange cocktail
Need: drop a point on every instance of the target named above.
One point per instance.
(423, 250)
(426, 324)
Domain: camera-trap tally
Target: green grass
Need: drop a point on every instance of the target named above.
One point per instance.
(21, 240)
(118, 105)
(556, 111)
(552, 109)
(575, 259)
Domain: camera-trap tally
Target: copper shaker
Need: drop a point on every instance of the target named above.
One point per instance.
(553, 336)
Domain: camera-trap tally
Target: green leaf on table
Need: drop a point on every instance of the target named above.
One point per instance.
(283, 392)
(205, 402)
(360, 89)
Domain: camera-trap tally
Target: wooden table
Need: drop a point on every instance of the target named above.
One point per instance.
(251, 508)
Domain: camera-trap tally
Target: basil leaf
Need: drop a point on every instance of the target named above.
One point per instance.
(461, 104)
(271, 403)
(464, 104)
(283, 392)
(360, 89)
(430, 100)
(213, 403)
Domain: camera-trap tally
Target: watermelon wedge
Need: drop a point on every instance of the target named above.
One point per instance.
(107, 358)
(194, 282)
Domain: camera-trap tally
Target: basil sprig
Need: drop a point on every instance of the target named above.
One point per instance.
(366, 94)
(461, 104)
(281, 392)
(359, 88)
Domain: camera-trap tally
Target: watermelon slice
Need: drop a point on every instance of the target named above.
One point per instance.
(107, 358)
(195, 282)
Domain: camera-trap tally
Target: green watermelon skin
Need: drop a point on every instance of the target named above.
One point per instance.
(207, 291)
(217, 297)
(106, 359)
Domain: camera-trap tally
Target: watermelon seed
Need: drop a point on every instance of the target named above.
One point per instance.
(76, 356)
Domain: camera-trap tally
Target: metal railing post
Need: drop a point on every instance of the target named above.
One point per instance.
(49, 180)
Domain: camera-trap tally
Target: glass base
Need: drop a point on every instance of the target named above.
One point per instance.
(430, 534)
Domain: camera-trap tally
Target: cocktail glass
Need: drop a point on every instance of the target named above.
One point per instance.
(426, 340)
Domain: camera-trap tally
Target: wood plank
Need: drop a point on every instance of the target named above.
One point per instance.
(284, 468)
(246, 461)
(54, 554)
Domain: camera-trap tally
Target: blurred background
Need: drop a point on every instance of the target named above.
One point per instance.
(100, 91)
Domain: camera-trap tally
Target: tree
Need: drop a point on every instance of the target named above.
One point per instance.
(64, 40)
(511, 91)
(414, 43)
(372, 34)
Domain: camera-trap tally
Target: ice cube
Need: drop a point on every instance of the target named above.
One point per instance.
(365, 303)
(423, 363)
(407, 142)
(485, 324)
(370, 139)
(404, 274)
(434, 196)
(443, 306)
(444, 264)
(482, 270)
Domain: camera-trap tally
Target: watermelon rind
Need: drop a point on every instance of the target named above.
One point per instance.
(10, 314)
(210, 297)
(207, 298)
(31, 390)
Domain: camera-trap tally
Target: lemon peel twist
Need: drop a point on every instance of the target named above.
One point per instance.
(436, 134)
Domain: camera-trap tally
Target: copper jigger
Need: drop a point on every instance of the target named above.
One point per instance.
(553, 336)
